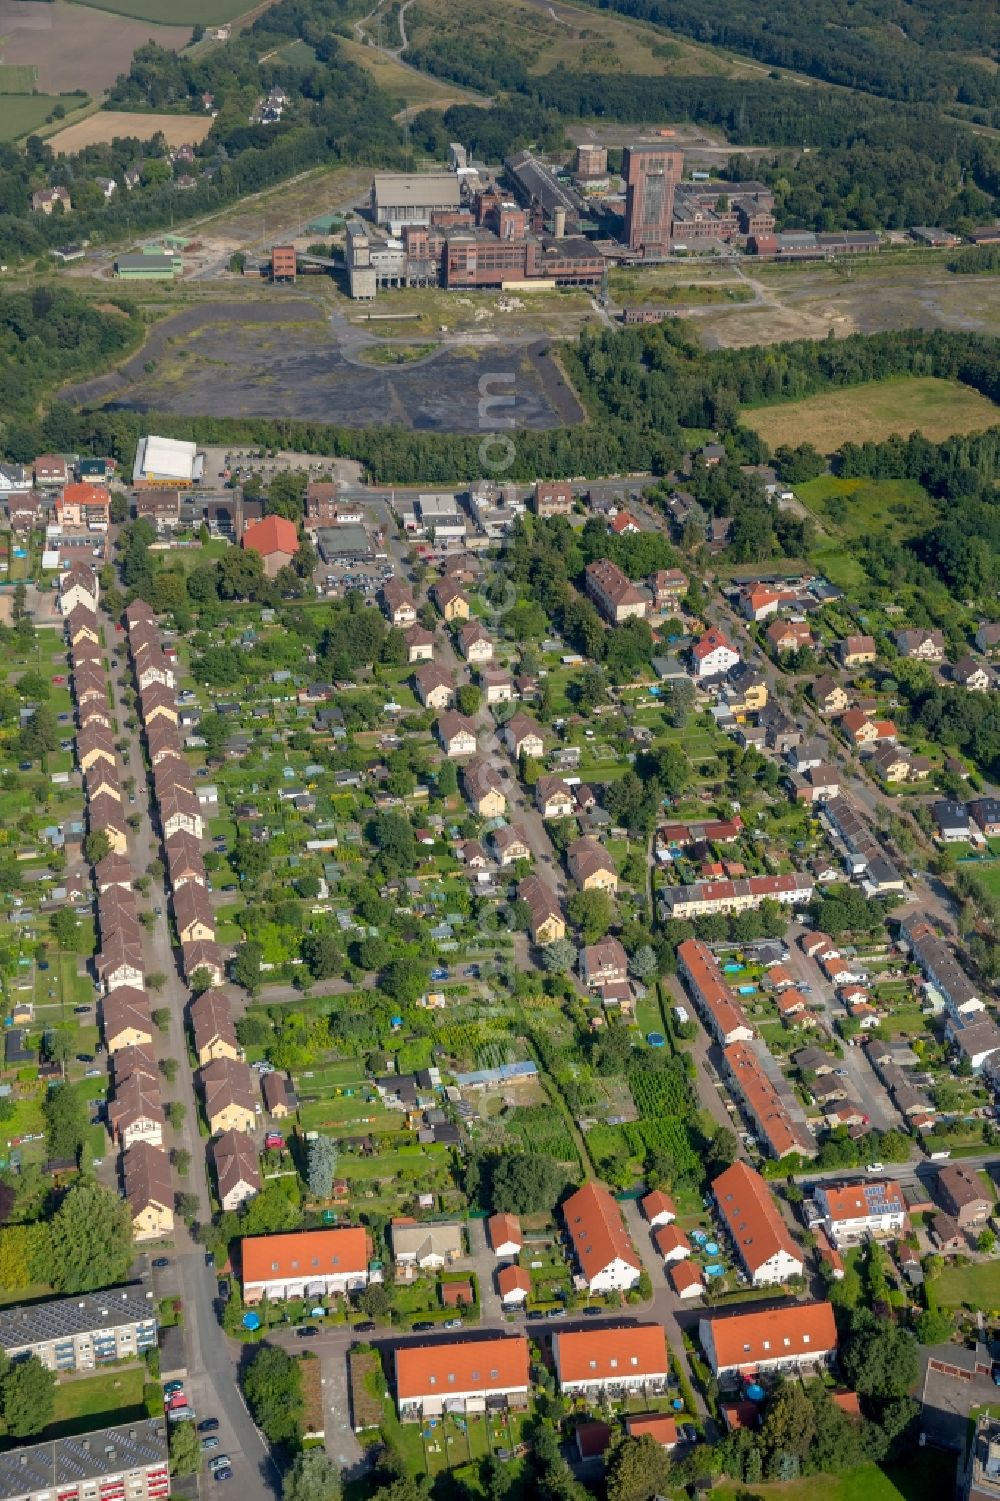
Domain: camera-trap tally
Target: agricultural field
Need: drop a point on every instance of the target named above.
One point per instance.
(873, 412)
(179, 12)
(23, 114)
(177, 130)
(69, 46)
(17, 78)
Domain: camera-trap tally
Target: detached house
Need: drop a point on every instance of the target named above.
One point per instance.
(546, 923)
(397, 603)
(456, 734)
(713, 655)
(789, 635)
(419, 645)
(591, 867)
(509, 845)
(451, 599)
(921, 645)
(231, 1100)
(554, 798)
(475, 643)
(829, 696)
(149, 1191)
(434, 687)
(484, 789)
(237, 1169)
(523, 737)
(857, 651)
(603, 963)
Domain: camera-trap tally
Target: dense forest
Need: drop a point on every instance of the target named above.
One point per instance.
(915, 50)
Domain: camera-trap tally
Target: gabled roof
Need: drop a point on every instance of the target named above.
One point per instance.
(794, 1331)
(504, 1228)
(226, 1082)
(608, 1354)
(461, 1365)
(146, 1170)
(236, 1162)
(273, 534)
(303, 1253)
(752, 1217)
(212, 1019)
(594, 1224)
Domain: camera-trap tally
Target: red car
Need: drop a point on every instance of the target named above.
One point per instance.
(119, 628)
(59, 678)
(178, 1399)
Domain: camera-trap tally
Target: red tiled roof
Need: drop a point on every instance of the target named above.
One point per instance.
(798, 1329)
(752, 1217)
(670, 1238)
(595, 1226)
(607, 1354)
(656, 1203)
(305, 1252)
(684, 1275)
(503, 1228)
(461, 1365)
(657, 1424)
(512, 1279)
(273, 534)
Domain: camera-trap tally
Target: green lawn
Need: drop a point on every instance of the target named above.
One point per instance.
(98, 1401)
(21, 114)
(870, 412)
(977, 1285)
(856, 508)
(925, 1476)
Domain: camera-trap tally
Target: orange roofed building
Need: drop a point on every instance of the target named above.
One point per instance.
(277, 541)
(606, 1258)
(611, 1360)
(755, 1227)
(306, 1263)
(797, 1337)
(461, 1375)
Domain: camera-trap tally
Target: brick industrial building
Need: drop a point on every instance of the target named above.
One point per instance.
(652, 174)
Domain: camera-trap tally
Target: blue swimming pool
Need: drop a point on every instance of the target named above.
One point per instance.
(711, 1249)
(714, 1270)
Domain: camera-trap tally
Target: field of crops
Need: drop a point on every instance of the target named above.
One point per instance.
(669, 1135)
(542, 1130)
(660, 1092)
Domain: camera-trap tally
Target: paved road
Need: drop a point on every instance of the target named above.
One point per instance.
(211, 1360)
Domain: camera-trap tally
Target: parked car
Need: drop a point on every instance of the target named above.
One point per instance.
(219, 1462)
(181, 1415)
(208, 1425)
(307, 1331)
(207, 1444)
(161, 1261)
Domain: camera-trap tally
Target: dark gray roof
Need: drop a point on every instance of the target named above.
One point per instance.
(65, 1317)
(88, 1456)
